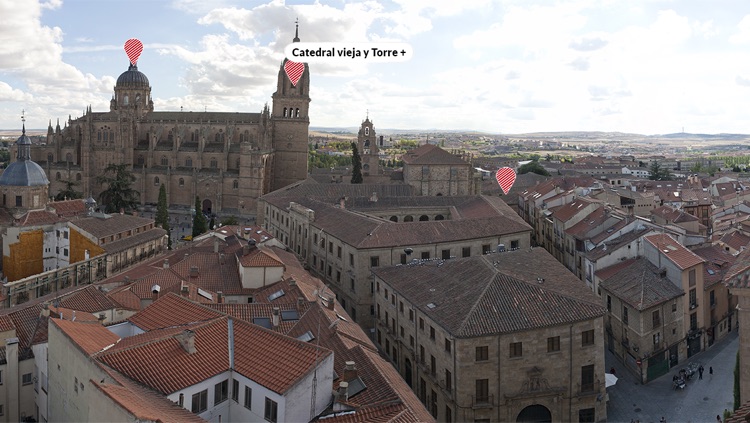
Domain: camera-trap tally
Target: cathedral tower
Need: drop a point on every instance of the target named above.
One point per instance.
(367, 145)
(290, 126)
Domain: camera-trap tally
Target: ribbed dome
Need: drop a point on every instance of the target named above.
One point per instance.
(132, 78)
(24, 173)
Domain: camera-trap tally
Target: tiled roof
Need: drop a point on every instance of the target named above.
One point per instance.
(68, 208)
(90, 337)
(133, 240)
(674, 251)
(72, 315)
(640, 286)
(609, 271)
(38, 217)
(115, 223)
(89, 299)
(567, 211)
(497, 293)
(609, 246)
(259, 257)
(673, 215)
(430, 154)
(310, 188)
(735, 239)
(718, 262)
(212, 274)
(172, 310)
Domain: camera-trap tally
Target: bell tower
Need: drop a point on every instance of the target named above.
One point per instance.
(290, 125)
(368, 148)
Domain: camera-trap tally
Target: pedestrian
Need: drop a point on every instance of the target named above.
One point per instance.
(700, 372)
(710, 370)
(718, 418)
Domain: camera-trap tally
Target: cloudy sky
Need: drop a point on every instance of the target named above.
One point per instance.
(502, 66)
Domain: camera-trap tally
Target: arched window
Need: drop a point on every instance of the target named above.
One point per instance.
(111, 136)
(182, 182)
(192, 137)
(394, 218)
(214, 164)
(284, 111)
(105, 136)
(57, 176)
(188, 162)
(140, 160)
(50, 158)
(367, 130)
(439, 217)
(216, 138)
(126, 100)
(296, 112)
(156, 180)
(424, 218)
(78, 176)
(235, 184)
(98, 135)
(367, 143)
(164, 161)
(408, 218)
(69, 158)
(137, 99)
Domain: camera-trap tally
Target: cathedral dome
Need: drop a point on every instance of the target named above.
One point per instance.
(132, 78)
(23, 172)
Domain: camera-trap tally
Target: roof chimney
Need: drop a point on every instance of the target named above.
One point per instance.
(102, 317)
(219, 297)
(275, 317)
(166, 264)
(342, 202)
(45, 309)
(187, 340)
(350, 371)
(186, 256)
(193, 271)
(331, 302)
(292, 282)
(300, 301)
(250, 246)
(216, 245)
(374, 197)
(343, 393)
(222, 258)
(184, 289)
(155, 292)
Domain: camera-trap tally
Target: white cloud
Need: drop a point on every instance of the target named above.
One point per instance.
(743, 32)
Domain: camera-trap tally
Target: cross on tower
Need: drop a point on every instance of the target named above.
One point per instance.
(23, 115)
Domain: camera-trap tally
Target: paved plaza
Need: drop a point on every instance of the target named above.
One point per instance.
(700, 401)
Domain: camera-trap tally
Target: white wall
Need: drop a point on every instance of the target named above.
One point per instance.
(258, 277)
(300, 395)
(41, 398)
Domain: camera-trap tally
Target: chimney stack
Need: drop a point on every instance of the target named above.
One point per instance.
(222, 258)
(292, 282)
(350, 371)
(374, 197)
(331, 302)
(216, 245)
(184, 289)
(102, 317)
(166, 264)
(186, 256)
(343, 393)
(342, 202)
(155, 292)
(45, 309)
(275, 317)
(193, 271)
(219, 297)
(187, 340)
(300, 301)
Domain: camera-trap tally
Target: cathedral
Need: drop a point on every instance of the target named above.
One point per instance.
(226, 159)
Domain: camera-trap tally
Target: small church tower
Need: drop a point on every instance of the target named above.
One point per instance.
(368, 148)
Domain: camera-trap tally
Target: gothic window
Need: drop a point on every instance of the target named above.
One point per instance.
(182, 182)
(156, 180)
(57, 176)
(98, 135)
(188, 162)
(217, 138)
(140, 160)
(105, 136)
(164, 161)
(235, 184)
(68, 157)
(367, 143)
(192, 137)
(284, 111)
(50, 158)
(214, 164)
(296, 112)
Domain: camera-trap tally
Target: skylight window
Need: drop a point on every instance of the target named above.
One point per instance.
(287, 315)
(205, 294)
(277, 294)
(307, 337)
(431, 305)
(711, 272)
(262, 321)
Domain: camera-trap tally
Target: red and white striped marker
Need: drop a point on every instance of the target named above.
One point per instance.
(133, 48)
(506, 177)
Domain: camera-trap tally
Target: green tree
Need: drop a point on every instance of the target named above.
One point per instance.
(200, 225)
(533, 167)
(162, 214)
(68, 192)
(231, 220)
(119, 193)
(356, 165)
(659, 173)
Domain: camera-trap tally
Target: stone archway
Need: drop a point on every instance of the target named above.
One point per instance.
(206, 206)
(536, 413)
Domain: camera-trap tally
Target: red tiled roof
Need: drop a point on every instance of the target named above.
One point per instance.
(89, 299)
(172, 310)
(72, 315)
(567, 211)
(145, 404)
(68, 208)
(212, 275)
(735, 239)
(6, 324)
(674, 251)
(112, 224)
(90, 337)
(38, 217)
(609, 271)
(259, 257)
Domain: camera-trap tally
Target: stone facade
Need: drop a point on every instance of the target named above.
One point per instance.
(226, 159)
(434, 171)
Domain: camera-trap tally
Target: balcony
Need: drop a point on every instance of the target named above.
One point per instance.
(486, 401)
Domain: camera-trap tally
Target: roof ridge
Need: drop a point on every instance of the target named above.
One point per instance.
(479, 297)
(162, 337)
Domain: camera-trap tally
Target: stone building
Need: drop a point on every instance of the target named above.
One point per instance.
(509, 336)
(367, 144)
(343, 231)
(226, 159)
(434, 171)
(23, 184)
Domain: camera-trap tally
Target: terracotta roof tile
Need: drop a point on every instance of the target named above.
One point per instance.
(133, 240)
(38, 217)
(113, 224)
(72, 315)
(6, 324)
(90, 337)
(674, 251)
(735, 239)
(212, 275)
(145, 404)
(567, 211)
(172, 310)
(89, 299)
(68, 208)
(259, 257)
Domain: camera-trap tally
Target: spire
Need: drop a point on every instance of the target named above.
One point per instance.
(23, 119)
(296, 31)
